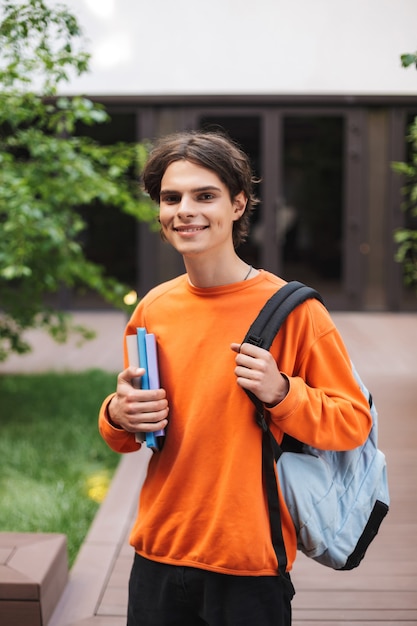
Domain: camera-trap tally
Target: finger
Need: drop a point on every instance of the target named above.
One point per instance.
(145, 427)
(152, 419)
(251, 362)
(247, 373)
(247, 383)
(251, 350)
(131, 376)
(235, 347)
(145, 406)
(131, 373)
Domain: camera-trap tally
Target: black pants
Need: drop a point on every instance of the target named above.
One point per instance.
(169, 595)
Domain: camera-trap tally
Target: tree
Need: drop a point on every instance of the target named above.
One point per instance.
(47, 171)
(406, 237)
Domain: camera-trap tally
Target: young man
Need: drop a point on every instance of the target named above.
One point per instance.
(202, 538)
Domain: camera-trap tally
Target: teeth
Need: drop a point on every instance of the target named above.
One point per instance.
(190, 230)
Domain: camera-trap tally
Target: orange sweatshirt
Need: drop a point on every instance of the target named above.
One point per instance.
(203, 503)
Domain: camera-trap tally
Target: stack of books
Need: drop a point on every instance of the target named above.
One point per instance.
(142, 352)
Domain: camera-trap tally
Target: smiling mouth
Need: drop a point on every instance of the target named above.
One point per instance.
(189, 229)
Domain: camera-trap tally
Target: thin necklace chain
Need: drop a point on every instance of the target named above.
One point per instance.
(246, 277)
(248, 274)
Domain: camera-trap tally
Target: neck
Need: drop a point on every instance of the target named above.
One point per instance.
(214, 275)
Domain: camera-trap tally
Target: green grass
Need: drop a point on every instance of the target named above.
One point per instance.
(54, 466)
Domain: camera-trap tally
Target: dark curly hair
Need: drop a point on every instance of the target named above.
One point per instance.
(214, 151)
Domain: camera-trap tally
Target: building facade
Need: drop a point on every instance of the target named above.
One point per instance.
(314, 92)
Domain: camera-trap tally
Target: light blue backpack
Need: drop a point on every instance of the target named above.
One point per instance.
(337, 500)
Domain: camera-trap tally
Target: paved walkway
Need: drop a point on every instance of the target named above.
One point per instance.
(103, 352)
(382, 591)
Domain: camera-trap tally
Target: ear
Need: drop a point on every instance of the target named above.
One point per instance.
(239, 205)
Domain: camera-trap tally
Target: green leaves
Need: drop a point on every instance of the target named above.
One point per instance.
(406, 237)
(407, 254)
(40, 46)
(408, 59)
(50, 175)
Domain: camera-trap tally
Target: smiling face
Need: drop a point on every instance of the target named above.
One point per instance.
(196, 211)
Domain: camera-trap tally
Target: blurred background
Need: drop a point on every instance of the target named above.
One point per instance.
(314, 92)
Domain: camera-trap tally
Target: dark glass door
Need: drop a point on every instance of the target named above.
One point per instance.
(312, 217)
(309, 213)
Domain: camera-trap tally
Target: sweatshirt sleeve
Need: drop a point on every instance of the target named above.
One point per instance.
(324, 408)
(117, 439)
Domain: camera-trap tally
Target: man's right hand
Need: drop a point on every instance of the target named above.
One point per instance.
(137, 410)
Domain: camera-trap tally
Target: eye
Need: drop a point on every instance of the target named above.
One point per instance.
(206, 196)
(171, 198)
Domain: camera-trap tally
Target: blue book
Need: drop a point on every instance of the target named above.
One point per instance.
(143, 361)
(148, 359)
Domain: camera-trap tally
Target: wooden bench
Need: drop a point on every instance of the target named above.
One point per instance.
(33, 575)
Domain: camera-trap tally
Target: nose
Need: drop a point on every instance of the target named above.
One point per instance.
(186, 207)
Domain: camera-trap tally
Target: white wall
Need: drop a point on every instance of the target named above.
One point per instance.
(143, 47)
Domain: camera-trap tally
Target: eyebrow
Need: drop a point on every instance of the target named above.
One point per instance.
(195, 190)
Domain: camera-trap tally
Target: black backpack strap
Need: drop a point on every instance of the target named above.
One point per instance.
(271, 486)
(274, 313)
(262, 333)
(268, 322)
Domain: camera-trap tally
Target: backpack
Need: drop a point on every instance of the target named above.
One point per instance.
(337, 500)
